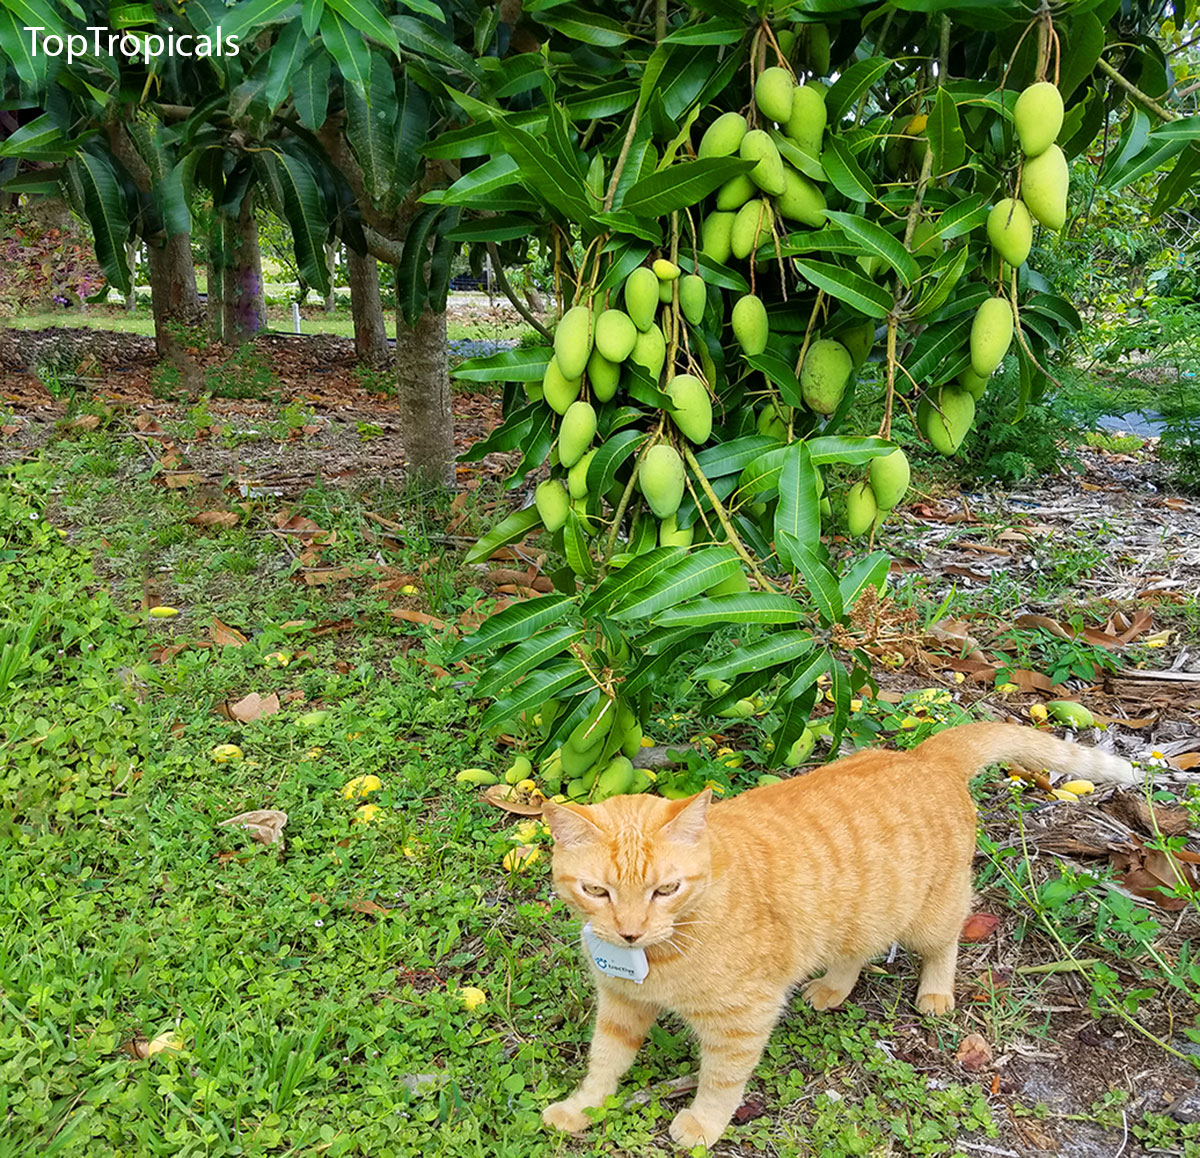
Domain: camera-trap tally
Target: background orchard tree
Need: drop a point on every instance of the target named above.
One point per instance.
(742, 209)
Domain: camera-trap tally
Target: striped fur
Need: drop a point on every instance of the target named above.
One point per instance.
(738, 902)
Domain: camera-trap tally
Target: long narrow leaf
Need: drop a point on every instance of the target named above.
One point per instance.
(516, 621)
(747, 607)
(524, 657)
(690, 576)
(770, 652)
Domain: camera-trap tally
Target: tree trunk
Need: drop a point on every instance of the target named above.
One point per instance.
(423, 394)
(370, 335)
(214, 304)
(176, 304)
(245, 305)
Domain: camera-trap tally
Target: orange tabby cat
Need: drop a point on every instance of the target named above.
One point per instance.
(736, 903)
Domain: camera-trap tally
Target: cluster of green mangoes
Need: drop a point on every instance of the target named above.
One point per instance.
(596, 760)
(869, 501)
(946, 417)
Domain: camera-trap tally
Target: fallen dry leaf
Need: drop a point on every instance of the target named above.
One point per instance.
(417, 617)
(1134, 812)
(166, 1042)
(266, 824)
(177, 480)
(973, 1053)
(252, 707)
(214, 519)
(225, 636)
(978, 927)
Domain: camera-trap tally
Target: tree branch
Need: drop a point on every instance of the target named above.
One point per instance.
(507, 290)
(1134, 91)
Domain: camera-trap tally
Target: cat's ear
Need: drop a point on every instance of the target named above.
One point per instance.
(687, 824)
(569, 827)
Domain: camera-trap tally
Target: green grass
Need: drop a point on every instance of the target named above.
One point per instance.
(305, 1026)
(278, 318)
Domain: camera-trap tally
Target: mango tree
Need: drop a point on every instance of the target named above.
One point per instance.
(782, 246)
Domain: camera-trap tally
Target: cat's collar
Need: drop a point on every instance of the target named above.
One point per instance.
(627, 962)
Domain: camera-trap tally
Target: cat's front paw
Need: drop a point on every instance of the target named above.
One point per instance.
(688, 1130)
(566, 1116)
(935, 1004)
(821, 996)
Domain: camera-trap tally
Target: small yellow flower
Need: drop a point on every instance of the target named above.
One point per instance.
(724, 751)
(354, 735)
(314, 753)
(856, 705)
(412, 849)
(934, 695)
(471, 997)
(734, 761)
(223, 753)
(526, 786)
(365, 814)
(361, 786)
(277, 659)
(676, 716)
(959, 678)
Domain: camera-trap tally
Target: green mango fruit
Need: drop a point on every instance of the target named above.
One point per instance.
(767, 779)
(661, 476)
(861, 509)
(666, 291)
(859, 340)
(801, 199)
(767, 174)
(552, 504)
(946, 420)
(890, 475)
(576, 790)
(1010, 230)
(750, 327)
(641, 297)
(786, 39)
(577, 476)
(773, 93)
(558, 390)
(576, 433)
(819, 48)
(603, 375)
(520, 769)
(615, 335)
(479, 776)
(1038, 117)
(773, 422)
(736, 192)
(717, 237)
(1069, 712)
(751, 227)
(825, 374)
(742, 710)
(665, 270)
(991, 335)
(723, 137)
(693, 408)
(615, 779)
(801, 748)
(974, 384)
(573, 341)
(693, 297)
(669, 535)
(808, 118)
(1044, 183)
(650, 352)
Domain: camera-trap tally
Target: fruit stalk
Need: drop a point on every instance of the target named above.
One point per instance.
(627, 494)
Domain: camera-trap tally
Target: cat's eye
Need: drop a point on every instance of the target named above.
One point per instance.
(595, 890)
(667, 889)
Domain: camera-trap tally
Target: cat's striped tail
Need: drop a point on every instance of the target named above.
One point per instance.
(976, 746)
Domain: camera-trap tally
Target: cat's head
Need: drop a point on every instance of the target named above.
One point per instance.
(633, 865)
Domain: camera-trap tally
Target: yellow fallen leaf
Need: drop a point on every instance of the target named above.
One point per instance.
(361, 786)
(471, 997)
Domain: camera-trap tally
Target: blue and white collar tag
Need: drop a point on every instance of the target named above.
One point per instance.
(621, 961)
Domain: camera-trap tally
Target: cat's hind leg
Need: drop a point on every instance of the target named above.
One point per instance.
(621, 1027)
(934, 937)
(830, 990)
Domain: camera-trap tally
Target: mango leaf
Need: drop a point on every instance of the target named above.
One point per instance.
(846, 175)
(546, 175)
(525, 656)
(364, 17)
(747, 607)
(615, 450)
(579, 558)
(370, 129)
(779, 372)
(875, 240)
(412, 291)
(777, 648)
(940, 280)
(681, 186)
(935, 344)
(962, 217)
(516, 621)
(1083, 43)
(850, 85)
(579, 25)
(16, 46)
(840, 691)
(420, 37)
(870, 571)
(289, 49)
(1185, 128)
(106, 210)
(716, 31)
(804, 678)
(310, 91)
(524, 364)
(798, 515)
(821, 581)
(536, 447)
(848, 448)
(858, 292)
(795, 156)
(347, 47)
(509, 530)
(533, 691)
(732, 457)
(252, 16)
(945, 134)
(511, 433)
(793, 718)
(762, 472)
(655, 668)
(692, 575)
(622, 586)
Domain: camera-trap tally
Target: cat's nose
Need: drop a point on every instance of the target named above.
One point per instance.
(631, 937)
